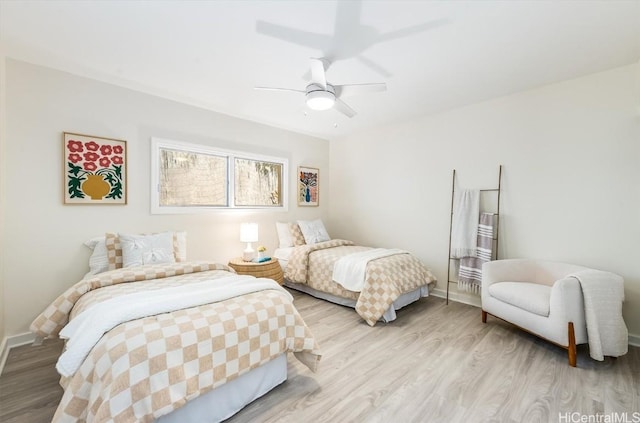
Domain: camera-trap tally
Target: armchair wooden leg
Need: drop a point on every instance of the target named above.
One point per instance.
(484, 316)
(572, 346)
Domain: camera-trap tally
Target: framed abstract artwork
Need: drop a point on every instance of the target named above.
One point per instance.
(308, 186)
(95, 170)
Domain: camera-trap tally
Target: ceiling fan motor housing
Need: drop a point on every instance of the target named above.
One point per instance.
(319, 98)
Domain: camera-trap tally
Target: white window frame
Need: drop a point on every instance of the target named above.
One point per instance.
(160, 143)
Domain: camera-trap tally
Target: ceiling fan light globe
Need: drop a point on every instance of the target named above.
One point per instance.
(320, 100)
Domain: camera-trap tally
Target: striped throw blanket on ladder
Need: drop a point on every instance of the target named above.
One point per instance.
(470, 272)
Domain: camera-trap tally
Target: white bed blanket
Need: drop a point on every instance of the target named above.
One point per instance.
(603, 294)
(86, 329)
(349, 271)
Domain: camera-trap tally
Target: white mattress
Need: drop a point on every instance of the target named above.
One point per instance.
(283, 254)
(226, 400)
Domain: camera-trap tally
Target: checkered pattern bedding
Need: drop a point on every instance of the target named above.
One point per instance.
(385, 280)
(53, 318)
(145, 368)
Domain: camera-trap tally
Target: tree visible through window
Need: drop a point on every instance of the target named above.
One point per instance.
(188, 177)
(191, 179)
(258, 183)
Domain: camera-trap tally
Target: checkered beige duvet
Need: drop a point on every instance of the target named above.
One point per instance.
(145, 368)
(385, 279)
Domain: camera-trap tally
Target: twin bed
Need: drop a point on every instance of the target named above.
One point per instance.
(172, 341)
(150, 336)
(376, 282)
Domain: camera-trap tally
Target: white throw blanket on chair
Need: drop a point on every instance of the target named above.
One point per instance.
(603, 294)
(464, 230)
(349, 271)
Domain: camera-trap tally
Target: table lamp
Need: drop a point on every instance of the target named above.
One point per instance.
(248, 234)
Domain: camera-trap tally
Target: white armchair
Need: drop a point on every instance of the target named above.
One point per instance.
(537, 296)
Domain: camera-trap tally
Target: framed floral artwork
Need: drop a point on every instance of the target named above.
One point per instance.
(95, 170)
(308, 193)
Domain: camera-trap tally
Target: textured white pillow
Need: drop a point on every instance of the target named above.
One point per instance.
(313, 231)
(98, 262)
(146, 249)
(284, 234)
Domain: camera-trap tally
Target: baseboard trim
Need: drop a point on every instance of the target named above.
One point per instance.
(457, 297)
(634, 340)
(4, 353)
(11, 342)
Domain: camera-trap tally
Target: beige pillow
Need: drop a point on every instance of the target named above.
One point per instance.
(296, 234)
(114, 251)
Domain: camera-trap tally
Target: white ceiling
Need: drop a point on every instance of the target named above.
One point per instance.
(433, 55)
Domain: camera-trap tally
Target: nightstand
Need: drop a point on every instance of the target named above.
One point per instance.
(268, 269)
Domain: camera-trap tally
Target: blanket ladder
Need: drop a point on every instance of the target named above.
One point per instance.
(496, 230)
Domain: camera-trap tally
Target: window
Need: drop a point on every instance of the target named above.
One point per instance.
(188, 178)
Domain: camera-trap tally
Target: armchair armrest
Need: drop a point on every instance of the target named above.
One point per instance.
(566, 302)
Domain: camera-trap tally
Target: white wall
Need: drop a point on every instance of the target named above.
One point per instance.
(569, 150)
(571, 170)
(42, 241)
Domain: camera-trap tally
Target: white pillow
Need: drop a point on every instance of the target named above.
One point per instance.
(98, 262)
(313, 231)
(146, 249)
(284, 234)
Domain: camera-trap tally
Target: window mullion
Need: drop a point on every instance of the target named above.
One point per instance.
(231, 183)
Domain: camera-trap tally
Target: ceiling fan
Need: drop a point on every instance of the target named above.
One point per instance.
(321, 95)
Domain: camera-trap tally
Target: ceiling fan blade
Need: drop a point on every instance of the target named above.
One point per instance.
(347, 17)
(279, 89)
(354, 89)
(342, 107)
(410, 30)
(318, 67)
(374, 66)
(293, 35)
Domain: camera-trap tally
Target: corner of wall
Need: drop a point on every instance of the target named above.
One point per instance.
(9, 342)
(4, 353)
(3, 125)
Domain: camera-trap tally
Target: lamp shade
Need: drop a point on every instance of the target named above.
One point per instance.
(249, 232)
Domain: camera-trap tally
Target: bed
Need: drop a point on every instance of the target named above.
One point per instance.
(388, 279)
(171, 341)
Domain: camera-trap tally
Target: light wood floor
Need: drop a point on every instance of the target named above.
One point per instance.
(435, 363)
